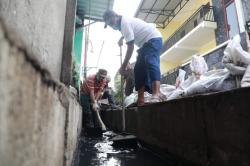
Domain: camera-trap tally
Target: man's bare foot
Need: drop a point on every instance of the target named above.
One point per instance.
(140, 103)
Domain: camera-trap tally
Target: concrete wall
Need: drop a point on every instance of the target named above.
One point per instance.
(73, 129)
(40, 120)
(41, 26)
(246, 9)
(204, 130)
(219, 16)
(69, 32)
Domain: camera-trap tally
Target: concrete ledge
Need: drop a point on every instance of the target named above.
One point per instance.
(211, 129)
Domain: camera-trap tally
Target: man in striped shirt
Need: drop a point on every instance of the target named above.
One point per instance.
(91, 91)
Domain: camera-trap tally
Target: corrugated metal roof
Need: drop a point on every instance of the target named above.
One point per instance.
(160, 12)
(93, 9)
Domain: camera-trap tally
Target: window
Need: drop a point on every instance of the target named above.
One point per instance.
(231, 18)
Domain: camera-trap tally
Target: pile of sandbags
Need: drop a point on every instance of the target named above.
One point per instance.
(237, 61)
(201, 80)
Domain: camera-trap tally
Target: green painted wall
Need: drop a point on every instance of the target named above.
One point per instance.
(77, 55)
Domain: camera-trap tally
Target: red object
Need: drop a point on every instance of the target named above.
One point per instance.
(91, 83)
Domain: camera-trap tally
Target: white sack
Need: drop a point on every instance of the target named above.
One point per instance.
(245, 82)
(167, 90)
(198, 65)
(235, 58)
(209, 82)
(181, 78)
(178, 93)
(129, 100)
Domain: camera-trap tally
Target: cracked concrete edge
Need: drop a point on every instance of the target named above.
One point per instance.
(14, 40)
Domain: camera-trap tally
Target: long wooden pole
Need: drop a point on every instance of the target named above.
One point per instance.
(122, 97)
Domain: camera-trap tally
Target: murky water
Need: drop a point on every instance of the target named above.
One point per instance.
(100, 152)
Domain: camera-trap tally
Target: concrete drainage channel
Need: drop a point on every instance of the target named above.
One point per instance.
(105, 151)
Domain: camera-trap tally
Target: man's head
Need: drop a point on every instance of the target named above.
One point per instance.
(112, 19)
(101, 74)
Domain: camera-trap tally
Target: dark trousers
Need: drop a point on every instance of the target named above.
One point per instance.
(89, 119)
(107, 95)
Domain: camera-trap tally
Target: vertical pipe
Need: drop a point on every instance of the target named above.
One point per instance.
(85, 54)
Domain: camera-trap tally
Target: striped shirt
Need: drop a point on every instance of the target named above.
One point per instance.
(91, 84)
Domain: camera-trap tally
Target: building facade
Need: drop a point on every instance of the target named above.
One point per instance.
(189, 27)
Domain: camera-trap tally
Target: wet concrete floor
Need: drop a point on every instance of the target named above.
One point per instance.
(98, 151)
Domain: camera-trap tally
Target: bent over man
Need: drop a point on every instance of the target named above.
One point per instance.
(91, 90)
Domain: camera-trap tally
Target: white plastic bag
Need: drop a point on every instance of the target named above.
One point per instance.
(209, 82)
(181, 77)
(235, 58)
(167, 90)
(198, 65)
(242, 55)
(188, 82)
(180, 91)
(129, 100)
(234, 69)
(245, 82)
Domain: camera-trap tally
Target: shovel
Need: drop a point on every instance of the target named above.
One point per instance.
(100, 120)
(123, 139)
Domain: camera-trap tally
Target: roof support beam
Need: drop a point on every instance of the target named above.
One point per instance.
(177, 9)
(159, 12)
(160, 25)
(151, 9)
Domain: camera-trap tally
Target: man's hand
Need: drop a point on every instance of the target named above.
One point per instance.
(95, 106)
(120, 42)
(122, 70)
